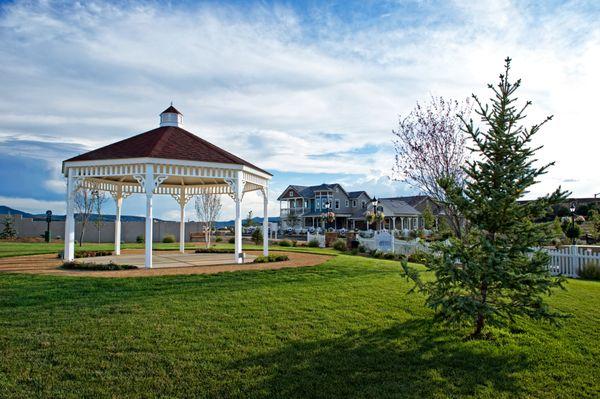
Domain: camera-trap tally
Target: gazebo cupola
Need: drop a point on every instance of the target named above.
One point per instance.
(171, 117)
(167, 160)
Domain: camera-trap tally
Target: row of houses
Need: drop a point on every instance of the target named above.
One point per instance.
(305, 207)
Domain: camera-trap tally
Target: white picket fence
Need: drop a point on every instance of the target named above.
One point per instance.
(399, 246)
(319, 237)
(567, 261)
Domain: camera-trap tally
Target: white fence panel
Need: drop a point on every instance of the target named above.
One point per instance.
(567, 261)
(399, 246)
(319, 237)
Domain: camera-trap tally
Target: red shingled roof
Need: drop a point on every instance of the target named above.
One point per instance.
(167, 142)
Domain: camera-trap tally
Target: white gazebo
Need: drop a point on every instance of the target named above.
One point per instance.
(166, 160)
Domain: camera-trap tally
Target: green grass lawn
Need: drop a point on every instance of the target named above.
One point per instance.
(8, 249)
(344, 329)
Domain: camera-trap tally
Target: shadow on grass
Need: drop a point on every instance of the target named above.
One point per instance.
(414, 359)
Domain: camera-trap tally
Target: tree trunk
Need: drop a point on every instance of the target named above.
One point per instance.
(82, 234)
(480, 320)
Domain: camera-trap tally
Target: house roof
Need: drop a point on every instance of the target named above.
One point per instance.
(167, 142)
(356, 194)
(420, 202)
(309, 191)
(392, 206)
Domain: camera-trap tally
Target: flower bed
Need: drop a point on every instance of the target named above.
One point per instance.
(95, 266)
(271, 258)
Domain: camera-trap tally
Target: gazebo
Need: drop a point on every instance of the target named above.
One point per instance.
(167, 160)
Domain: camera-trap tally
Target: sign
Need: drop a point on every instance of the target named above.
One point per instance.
(383, 241)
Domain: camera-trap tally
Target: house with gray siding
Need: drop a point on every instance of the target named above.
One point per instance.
(305, 207)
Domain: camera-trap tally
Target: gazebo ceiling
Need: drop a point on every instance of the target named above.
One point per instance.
(165, 142)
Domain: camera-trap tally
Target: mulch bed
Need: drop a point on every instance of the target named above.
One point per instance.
(49, 264)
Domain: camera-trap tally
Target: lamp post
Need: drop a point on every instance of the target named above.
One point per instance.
(48, 220)
(572, 209)
(327, 209)
(375, 205)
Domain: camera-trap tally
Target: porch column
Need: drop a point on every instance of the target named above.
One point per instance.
(149, 186)
(69, 252)
(265, 227)
(119, 204)
(182, 203)
(394, 223)
(238, 216)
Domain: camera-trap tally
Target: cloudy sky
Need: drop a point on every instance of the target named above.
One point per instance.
(308, 90)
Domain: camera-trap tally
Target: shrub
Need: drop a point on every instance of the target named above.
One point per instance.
(285, 243)
(389, 256)
(362, 249)
(231, 240)
(168, 239)
(418, 257)
(590, 271)
(91, 253)
(214, 251)
(339, 245)
(139, 239)
(354, 251)
(314, 243)
(95, 266)
(257, 236)
(218, 239)
(294, 243)
(271, 258)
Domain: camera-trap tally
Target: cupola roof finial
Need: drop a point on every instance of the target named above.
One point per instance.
(171, 117)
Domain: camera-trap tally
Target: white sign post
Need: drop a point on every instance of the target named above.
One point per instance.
(383, 241)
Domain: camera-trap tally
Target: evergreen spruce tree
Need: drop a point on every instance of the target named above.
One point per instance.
(495, 273)
(428, 218)
(8, 231)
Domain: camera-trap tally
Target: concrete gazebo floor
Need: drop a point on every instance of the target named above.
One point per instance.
(49, 264)
(162, 259)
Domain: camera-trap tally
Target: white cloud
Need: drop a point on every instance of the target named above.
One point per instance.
(279, 90)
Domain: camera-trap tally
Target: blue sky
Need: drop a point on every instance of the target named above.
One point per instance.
(308, 90)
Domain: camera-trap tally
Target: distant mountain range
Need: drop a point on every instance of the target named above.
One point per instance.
(5, 210)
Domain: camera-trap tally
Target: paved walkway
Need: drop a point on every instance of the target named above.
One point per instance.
(162, 259)
(49, 264)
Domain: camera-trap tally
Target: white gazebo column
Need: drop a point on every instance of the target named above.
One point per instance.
(149, 186)
(238, 187)
(69, 252)
(265, 192)
(394, 223)
(182, 202)
(119, 203)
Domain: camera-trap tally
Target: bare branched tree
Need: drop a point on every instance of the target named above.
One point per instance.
(430, 147)
(99, 198)
(208, 208)
(84, 206)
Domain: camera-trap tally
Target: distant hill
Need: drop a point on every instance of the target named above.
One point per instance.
(256, 220)
(5, 210)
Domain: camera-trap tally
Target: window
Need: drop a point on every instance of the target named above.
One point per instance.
(337, 204)
(363, 204)
(353, 203)
(347, 203)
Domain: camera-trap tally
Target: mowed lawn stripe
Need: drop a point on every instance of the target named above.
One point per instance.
(347, 328)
